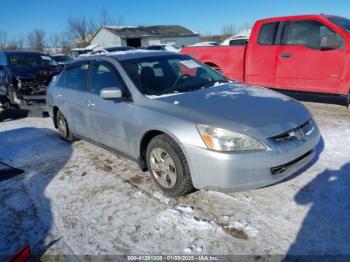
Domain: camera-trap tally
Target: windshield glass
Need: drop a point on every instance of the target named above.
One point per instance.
(170, 74)
(341, 21)
(30, 60)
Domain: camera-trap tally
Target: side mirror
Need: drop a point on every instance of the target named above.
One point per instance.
(331, 42)
(111, 93)
(1, 67)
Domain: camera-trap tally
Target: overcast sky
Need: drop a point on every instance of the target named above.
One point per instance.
(18, 17)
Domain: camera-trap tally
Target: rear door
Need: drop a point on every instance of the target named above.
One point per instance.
(303, 65)
(73, 99)
(109, 118)
(261, 54)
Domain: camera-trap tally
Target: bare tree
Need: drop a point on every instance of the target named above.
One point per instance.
(245, 26)
(36, 40)
(81, 30)
(105, 19)
(228, 29)
(3, 40)
(54, 41)
(20, 41)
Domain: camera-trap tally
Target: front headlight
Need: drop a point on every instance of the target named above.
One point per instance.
(219, 139)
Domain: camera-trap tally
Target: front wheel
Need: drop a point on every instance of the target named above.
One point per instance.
(168, 166)
(63, 128)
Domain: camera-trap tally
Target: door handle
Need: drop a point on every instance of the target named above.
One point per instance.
(286, 55)
(58, 94)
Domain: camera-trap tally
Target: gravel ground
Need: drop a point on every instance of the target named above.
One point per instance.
(80, 199)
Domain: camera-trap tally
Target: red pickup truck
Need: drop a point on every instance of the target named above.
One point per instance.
(309, 53)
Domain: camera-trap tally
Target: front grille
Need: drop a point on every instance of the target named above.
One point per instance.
(300, 133)
(281, 169)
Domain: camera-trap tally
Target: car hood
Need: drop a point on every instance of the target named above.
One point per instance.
(253, 110)
(37, 73)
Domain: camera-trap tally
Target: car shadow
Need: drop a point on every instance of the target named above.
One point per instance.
(12, 114)
(325, 229)
(26, 215)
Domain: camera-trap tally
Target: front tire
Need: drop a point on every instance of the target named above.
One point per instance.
(168, 166)
(63, 128)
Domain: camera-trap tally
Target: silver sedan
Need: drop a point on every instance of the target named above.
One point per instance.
(188, 125)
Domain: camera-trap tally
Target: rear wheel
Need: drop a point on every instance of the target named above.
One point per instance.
(349, 102)
(168, 166)
(63, 128)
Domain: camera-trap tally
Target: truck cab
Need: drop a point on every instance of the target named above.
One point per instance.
(302, 53)
(308, 53)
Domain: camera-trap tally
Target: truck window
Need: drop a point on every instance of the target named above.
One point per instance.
(268, 33)
(310, 34)
(342, 22)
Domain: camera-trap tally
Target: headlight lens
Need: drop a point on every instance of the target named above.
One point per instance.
(226, 140)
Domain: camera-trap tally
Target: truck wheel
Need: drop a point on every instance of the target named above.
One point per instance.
(63, 128)
(168, 166)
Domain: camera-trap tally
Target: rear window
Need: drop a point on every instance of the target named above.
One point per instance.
(268, 33)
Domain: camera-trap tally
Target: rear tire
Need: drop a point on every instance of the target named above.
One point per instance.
(63, 128)
(168, 166)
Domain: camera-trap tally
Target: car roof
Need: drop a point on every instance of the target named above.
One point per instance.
(58, 55)
(295, 17)
(131, 54)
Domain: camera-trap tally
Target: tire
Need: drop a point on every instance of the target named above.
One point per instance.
(168, 166)
(348, 103)
(63, 128)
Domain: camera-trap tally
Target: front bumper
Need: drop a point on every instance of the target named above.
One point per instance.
(230, 172)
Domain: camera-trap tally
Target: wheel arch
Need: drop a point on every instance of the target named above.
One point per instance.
(55, 109)
(146, 139)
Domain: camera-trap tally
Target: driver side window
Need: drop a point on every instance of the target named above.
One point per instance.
(311, 34)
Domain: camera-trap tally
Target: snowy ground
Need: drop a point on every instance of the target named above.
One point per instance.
(80, 199)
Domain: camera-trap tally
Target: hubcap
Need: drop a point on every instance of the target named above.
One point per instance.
(163, 167)
(62, 127)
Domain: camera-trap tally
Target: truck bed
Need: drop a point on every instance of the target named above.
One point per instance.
(227, 59)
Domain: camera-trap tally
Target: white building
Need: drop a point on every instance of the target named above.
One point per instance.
(143, 36)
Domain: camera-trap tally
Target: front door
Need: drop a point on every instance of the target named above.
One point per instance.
(261, 61)
(303, 65)
(109, 118)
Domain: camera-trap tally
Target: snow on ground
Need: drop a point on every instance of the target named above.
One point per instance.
(80, 199)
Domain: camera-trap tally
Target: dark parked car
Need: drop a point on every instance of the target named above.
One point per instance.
(24, 77)
(61, 58)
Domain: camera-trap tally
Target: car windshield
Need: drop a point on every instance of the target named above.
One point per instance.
(170, 74)
(30, 60)
(341, 21)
